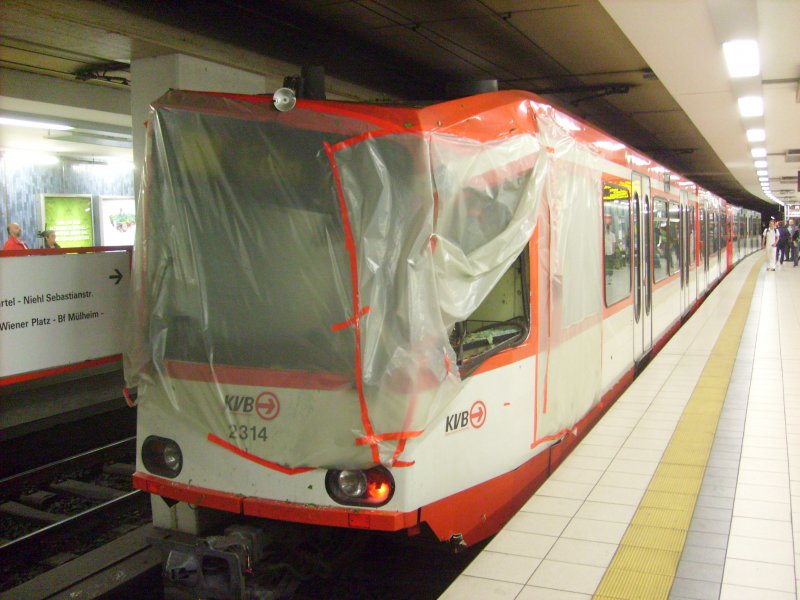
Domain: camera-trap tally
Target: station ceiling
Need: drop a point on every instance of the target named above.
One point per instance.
(649, 72)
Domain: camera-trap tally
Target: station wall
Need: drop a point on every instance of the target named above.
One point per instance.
(22, 185)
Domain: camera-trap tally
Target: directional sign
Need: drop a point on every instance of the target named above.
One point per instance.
(267, 406)
(477, 414)
(61, 309)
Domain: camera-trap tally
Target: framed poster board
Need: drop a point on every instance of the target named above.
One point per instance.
(117, 220)
(70, 216)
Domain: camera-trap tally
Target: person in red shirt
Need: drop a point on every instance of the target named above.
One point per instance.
(14, 241)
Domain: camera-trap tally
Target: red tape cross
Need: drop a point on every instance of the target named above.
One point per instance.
(382, 437)
(351, 321)
(256, 459)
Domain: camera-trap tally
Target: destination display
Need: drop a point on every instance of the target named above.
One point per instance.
(58, 310)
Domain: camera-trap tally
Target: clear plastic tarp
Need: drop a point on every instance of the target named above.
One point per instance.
(329, 252)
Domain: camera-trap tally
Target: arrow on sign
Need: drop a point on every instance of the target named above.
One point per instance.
(118, 277)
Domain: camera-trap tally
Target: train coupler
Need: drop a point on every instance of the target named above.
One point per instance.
(215, 567)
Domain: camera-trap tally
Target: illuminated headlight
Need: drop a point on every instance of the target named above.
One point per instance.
(162, 456)
(373, 487)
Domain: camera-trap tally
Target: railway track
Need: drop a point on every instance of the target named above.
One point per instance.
(62, 524)
(54, 513)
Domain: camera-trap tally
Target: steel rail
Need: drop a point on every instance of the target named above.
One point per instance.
(25, 545)
(15, 483)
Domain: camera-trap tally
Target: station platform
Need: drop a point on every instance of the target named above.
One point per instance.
(36, 405)
(689, 487)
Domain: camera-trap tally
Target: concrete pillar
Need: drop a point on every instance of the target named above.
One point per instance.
(151, 77)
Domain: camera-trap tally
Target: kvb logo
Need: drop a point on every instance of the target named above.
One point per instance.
(239, 404)
(474, 417)
(266, 405)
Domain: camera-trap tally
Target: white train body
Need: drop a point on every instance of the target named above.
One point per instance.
(475, 367)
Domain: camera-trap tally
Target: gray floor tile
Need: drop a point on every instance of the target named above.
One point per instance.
(710, 526)
(694, 589)
(704, 554)
(709, 501)
(699, 571)
(710, 540)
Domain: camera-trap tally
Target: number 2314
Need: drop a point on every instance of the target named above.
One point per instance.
(243, 432)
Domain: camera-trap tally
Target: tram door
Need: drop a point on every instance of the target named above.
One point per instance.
(703, 250)
(684, 253)
(642, 278)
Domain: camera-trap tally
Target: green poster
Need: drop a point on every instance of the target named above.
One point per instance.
(71, 218)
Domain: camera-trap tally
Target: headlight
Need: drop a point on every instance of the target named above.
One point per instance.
(373, 487)
(162, 456)
(352, 484)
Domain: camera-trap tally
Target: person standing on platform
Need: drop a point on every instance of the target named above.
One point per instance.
(771, 244)
(783, 241)
(49, 239)
(14, 241)
(795, 245)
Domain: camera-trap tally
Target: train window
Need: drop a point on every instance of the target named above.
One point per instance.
(501, 321)
(674, 237)
(616, 242)
(713, 236)
(690, 240)
(703, 247)
(660, 239)
(723, 230)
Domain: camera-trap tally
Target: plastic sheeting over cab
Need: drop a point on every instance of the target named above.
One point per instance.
(311, 268)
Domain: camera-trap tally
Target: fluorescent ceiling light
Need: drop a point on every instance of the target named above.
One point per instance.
(742, 59)
(27, 158)
(758, 152)
(760, 164)
(751, 106)
(762, 172)
(763, 178)
(33, 124)
(756, 135)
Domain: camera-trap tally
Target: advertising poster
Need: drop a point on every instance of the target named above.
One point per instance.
(118, 220)
(71, 218)
(62, 309)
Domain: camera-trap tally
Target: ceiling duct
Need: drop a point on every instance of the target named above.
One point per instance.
(460, 89)
(97, 138)
(310, 84)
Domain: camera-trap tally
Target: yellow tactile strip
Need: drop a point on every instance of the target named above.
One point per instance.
(646, 561)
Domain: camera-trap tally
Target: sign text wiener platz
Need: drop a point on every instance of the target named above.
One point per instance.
(61, 309)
